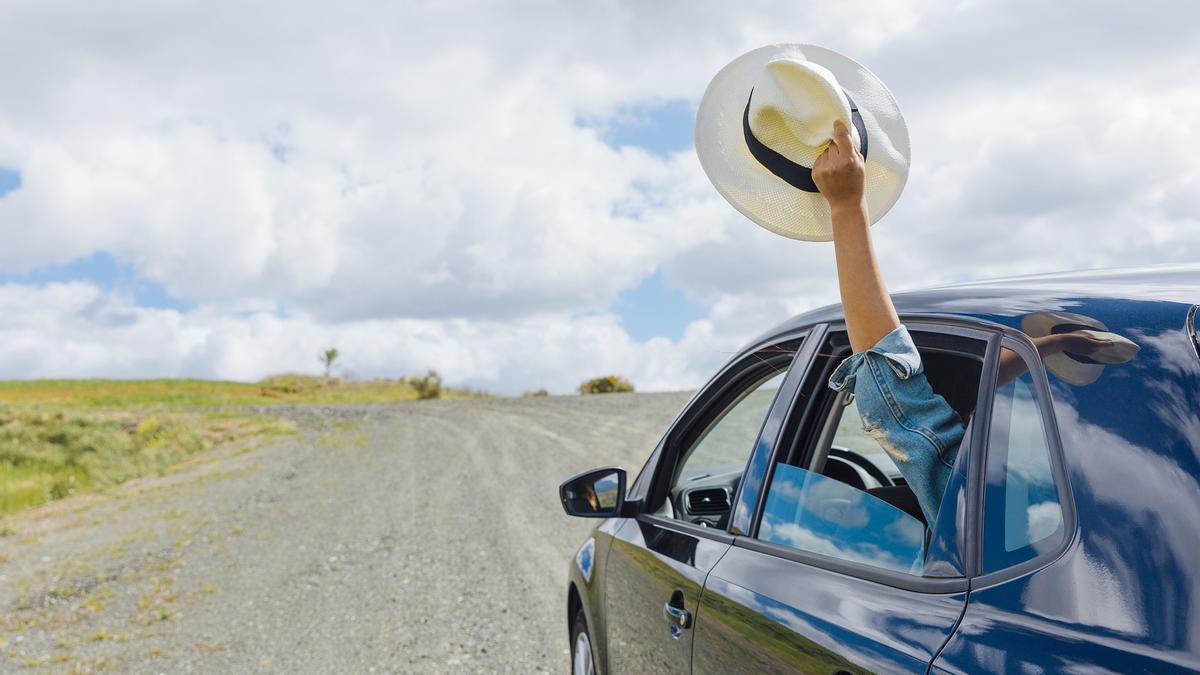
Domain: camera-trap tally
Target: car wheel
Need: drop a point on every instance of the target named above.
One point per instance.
(582, 660)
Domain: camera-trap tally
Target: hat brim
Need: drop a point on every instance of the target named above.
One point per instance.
(1065, 368)
(767, 199)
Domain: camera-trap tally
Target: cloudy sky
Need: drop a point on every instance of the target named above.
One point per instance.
(507, 191)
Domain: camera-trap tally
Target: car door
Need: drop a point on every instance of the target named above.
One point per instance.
(828, 576)
(659, 559)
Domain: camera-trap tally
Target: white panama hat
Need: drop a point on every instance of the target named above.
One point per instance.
(1079, 369)
(768, 115)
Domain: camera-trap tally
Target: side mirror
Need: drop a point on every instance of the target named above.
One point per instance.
(599, 493)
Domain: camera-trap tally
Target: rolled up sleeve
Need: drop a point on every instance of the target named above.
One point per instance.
(915, 426)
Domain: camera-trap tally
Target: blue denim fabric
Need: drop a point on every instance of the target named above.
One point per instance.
(915, 426)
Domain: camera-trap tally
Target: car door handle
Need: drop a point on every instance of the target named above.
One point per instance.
(679, 618)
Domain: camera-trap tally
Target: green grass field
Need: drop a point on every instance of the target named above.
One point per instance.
(65, 437)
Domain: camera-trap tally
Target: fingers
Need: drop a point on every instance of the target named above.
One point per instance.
(838, 171)
(828, 158)
(841, 137)
(1079, 342)
(824, 158)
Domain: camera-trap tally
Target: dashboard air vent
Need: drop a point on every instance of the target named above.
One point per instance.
(708, 500)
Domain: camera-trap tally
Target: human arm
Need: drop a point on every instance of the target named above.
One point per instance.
(839, 174)
(913, 425)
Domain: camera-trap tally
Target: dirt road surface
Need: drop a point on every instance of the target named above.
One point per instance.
(423, 537)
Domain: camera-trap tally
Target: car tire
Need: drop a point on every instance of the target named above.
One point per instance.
(583, 655)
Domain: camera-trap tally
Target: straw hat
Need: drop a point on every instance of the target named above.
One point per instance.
(769, 114)
(1079, 369)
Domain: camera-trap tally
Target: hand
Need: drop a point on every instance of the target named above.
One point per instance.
(1078, 342)
(1075, 342)
(839, 171)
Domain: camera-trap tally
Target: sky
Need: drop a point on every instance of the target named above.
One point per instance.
(508, 192)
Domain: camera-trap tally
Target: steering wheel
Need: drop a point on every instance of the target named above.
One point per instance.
(857, 459)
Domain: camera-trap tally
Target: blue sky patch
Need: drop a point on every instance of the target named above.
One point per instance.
(281, 151)
(655, 309)
(10, 180)
(660, 128)
(102, 269)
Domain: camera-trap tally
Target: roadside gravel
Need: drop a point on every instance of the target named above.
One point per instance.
(420, 537)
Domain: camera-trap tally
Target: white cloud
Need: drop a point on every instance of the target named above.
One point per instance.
(409, 181)
(77, 330)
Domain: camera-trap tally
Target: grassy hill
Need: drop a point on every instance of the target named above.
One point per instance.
(179, 393)
(64, 437)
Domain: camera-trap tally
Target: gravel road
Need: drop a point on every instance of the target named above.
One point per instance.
(420, 537)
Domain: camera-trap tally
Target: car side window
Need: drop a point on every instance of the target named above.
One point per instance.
(708, 471)
(834, 508)
(838, 493)
(1023, 514)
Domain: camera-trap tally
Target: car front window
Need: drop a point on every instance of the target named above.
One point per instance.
(707, 478)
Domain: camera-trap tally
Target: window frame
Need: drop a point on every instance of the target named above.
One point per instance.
(977, 479)
(699, 413)
(991, 334)
(1192, 327)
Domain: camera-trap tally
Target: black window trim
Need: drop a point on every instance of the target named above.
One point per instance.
(879, 575)
(987, 332)
(684, 527)
(1021, 343)
(699, 410)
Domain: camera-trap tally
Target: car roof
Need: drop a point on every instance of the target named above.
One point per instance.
(1158, 293)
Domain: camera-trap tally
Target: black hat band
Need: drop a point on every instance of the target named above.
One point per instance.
(796, 175)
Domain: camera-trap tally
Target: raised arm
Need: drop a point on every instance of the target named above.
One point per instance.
(838, 173)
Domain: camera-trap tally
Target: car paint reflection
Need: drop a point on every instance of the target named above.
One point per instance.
(1125, 593)
(647, 563)
(793, 617)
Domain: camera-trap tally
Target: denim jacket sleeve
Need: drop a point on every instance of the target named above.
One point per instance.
(915, 426)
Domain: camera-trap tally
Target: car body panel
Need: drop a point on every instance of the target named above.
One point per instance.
(1126, 592)
(784, 616)
(589, 588)
(650, 561)
(1167, 288)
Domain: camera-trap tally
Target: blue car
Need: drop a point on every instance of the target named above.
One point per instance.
(769, 533)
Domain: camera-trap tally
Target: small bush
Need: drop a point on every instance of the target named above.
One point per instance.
(427, 387)
(290, 385)
(536, 393)
(609, 384)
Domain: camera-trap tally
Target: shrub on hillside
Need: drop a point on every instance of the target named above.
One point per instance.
(427, 387)
(291, 385)
(608, 384)
(536, 393)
